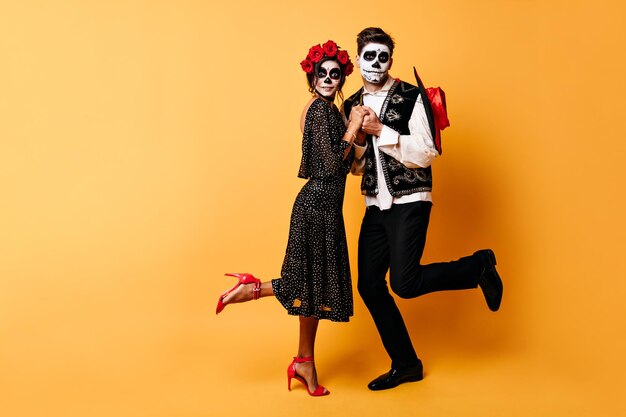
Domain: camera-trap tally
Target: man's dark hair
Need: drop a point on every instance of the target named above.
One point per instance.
(373, 35)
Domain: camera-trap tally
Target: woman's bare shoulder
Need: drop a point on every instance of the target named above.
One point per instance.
(305, 111)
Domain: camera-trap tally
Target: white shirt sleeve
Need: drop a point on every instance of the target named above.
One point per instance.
(415, 149)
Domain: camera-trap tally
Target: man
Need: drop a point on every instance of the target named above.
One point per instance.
(394, 151)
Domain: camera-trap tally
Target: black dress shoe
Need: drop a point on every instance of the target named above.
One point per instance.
(395, 377)
(489, 280)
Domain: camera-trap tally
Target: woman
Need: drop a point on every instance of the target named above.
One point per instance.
(315, 277)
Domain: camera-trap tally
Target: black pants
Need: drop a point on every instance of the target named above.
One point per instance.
(394, 240)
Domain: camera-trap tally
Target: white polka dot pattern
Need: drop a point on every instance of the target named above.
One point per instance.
(315, 277)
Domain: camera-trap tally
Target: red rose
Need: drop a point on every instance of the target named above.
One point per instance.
(349, 68)
(307, 66)
(316, 53)
(342, 57)
(330, 48)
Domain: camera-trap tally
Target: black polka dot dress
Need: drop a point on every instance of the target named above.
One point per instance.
(315, 277)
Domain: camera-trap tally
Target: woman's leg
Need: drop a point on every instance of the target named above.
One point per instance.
(244, 293)
(306, 349)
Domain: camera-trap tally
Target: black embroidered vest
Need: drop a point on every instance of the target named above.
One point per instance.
(395, 113)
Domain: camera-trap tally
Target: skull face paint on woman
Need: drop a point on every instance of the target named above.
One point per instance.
(327, 78)
(374, 63)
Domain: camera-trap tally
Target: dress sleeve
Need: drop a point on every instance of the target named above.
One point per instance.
(322, 146)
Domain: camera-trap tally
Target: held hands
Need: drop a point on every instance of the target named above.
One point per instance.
(357, 115)
(371, 124)
(354, 125)
(367, 121)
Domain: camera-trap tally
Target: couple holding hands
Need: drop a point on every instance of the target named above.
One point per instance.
(388, 132)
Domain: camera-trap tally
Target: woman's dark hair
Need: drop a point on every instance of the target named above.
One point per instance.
(312, 77)
(373, 35)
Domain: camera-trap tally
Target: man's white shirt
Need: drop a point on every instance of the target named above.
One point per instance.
(413, 150)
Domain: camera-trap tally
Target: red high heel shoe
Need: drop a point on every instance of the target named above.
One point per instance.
(242, 280)
(291, 374)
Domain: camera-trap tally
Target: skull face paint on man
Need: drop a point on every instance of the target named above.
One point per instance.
(327, 78)
(374, 62)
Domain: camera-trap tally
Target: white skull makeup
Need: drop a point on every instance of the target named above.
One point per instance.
(328, 77)
(374, 62)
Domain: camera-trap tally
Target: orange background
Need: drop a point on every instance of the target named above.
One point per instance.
(148, 147)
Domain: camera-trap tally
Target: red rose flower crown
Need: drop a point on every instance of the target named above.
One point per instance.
(327, 50)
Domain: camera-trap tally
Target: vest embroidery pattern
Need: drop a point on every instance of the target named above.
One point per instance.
(395, 113)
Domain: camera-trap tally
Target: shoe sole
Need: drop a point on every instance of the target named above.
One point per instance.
(414, 379)
(492, 258)
(408, 379)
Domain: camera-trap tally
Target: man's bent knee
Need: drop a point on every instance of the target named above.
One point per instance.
(405, 287)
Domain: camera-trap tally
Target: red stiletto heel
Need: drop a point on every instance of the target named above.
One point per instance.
(242, 279)
(292, 374)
